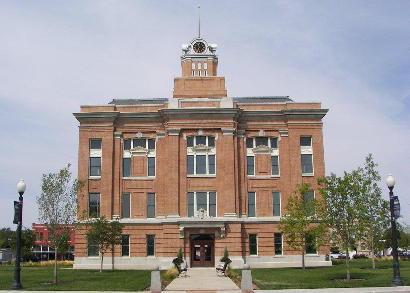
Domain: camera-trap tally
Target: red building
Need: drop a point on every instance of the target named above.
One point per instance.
(42, 247)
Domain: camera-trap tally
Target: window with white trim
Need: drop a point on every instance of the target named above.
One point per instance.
(262, 145)
(306, 152)
(276, 203)
(126, 205)
(94, 205)
(139, 146)
(205, 200)
(201, 155)
(95, 158)
(251, 204)
(308, 197)
(278, 243)
(150, 205)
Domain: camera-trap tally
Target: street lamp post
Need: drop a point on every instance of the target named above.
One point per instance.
(18, 219)
(397, 281)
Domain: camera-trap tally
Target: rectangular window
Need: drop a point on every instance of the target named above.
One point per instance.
(200, 164)
(310, 244)
(276, 203)
(250, 165)
(211, 164)
(126, 167)
(253, 244)
(125, 205)
(274, 142)
(200, 140)
(95, 166)
(199, 65)
(95, 144)
(193, 72)
(249, 142)
(151, 166)
(251, 204)
(198, 161)
(278, 243)
(94, 205)
(307, 164)
(151, 144)
(275, 165)
(139, 142)
(305, 141)
(127, 144)
(199, 72)
(125, 245)
(92, 248)
(190, 141)
(212, 204)
(205, 72)
(261, 141)
(201, 201)
(308, 198)
(190, 164)
(191, 204)
(150, 245)
(205, 200)
(150, 205)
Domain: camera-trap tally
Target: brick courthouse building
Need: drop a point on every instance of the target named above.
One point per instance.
(199, 171)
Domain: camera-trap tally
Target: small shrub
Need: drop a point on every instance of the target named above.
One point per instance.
(170, 274)
(360, 256)
(225, 258)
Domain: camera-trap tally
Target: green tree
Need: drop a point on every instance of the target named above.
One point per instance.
(27, 242)
(6, 235)
(344, 209)
(57, 207)
(302, 220)
(105, 234)
(376, 210)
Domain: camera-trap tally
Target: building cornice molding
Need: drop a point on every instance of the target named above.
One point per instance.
(287, 114)
(96, 116)
(195, 221)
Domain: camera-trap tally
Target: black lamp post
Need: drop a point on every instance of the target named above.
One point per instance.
(394, 214)
(18, 219)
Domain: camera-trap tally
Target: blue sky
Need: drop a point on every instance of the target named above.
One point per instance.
(353, 56)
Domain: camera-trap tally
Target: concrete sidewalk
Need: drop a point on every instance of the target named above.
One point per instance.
(327, 290)
(202, 279)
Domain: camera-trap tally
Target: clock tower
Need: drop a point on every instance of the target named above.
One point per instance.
(199, 79)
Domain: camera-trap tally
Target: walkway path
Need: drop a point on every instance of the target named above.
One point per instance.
(201, 279)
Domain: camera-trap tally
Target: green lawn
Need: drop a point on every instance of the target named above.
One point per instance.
(40, 277)
(326, 277)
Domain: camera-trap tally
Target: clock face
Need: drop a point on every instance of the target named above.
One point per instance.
(199, 47)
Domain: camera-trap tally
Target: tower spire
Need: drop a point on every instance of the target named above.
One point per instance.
(199, 21)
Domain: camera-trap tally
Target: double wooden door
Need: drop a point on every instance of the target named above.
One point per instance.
(202, 253)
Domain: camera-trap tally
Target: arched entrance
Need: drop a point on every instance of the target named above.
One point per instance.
(202, 250)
